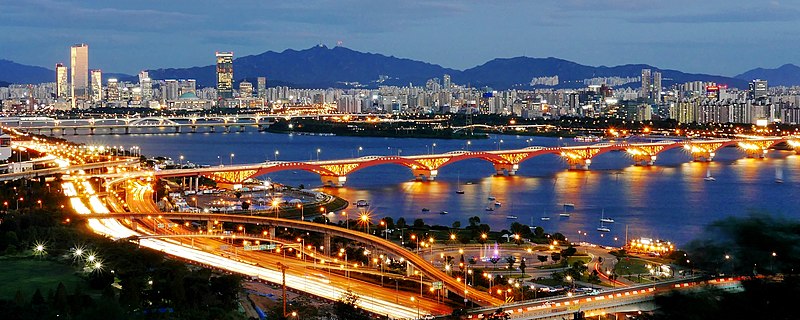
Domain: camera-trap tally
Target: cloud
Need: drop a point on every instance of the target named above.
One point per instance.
(773, 12)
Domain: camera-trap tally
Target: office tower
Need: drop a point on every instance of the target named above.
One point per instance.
(62, 81)
(224, 75)
(171, 89)
(645, 93)
(245, 89)
(79, 65)
(758, 89)
(113, 90)
(143, 75)
(97, 85)
(656, 92)
(262, 87)
(447, 83)
(147, 89)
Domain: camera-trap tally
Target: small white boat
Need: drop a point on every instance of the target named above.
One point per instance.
(604, 219)
(708, 176)
(564, 214)
(545, 218)
(489, 209)
(492, 198)
(362, 203)
(778, 175)
(603, 229)
(569, 205)
(425, 210)
(511, 217)
(497, 204)
(459, 191)
(443, 212)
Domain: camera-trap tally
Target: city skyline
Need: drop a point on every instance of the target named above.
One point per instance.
(678, 35)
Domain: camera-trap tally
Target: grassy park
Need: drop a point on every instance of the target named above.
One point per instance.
(28, 274)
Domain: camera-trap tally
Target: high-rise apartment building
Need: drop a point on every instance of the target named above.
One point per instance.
(447, 84)
(224, 75)
(79, 65)
(62, 81)
(645, 92)
(97, 85)
(262, 87)
(656, 89)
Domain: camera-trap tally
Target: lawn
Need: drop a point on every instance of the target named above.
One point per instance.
(28, 274)
(630, 265)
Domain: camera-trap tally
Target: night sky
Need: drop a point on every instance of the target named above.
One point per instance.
(724, 37)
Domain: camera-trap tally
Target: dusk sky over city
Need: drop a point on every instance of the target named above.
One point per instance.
(715, 36)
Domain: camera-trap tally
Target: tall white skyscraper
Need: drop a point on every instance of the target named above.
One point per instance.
(656, 92)
(645, 93)
(79, 65)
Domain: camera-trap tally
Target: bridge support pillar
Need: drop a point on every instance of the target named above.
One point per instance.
(261, 127)
(503, 169)
(127, 130)
(425, 174)
(327, 245)
(227, 129)
(241, 128)
(644, 160)
(194, 129)
(579, 164)
(272, 232)
(91, 131)
(177, 129)
(333, 181)
(703, 156)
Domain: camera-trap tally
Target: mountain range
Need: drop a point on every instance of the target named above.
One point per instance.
(322, 67)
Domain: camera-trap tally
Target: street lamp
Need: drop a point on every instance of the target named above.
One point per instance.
(300, 206)
(433, 148)
(276, 154)
(318, 151)
(232, 155)
(365, 220)
(413, 300)
(359, 151)
(346, 220)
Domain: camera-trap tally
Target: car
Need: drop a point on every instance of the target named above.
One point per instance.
(428, 317)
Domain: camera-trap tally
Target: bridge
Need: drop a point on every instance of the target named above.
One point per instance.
(30, 174)
(505, 162)
(328, 231)
(175, 124)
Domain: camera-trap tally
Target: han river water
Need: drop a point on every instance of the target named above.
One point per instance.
(669, 201)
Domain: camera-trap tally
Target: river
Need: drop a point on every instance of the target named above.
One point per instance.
(669, 201)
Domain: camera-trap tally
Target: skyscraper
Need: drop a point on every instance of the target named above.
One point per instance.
(758, 89)
(79, 65)
(97, 85)
(224, 75)
(113, 90)
(447, 84)
(171, 88)
(62, 81)
(262, 87)
(645, 92)
(245, 90)
(656, 91)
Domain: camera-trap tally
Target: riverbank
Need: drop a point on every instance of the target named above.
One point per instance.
(370, 129)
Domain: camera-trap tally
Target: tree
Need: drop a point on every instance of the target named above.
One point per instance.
(474, 221)
(456, 224)
(245, 205)
(542, 258)
(568, 252)
(555, 256)
(538, 232)
(419, 223)
(494, 261)
(347, 307)
(401, 223)
(522, 266)
(37, 298)
(511, 260)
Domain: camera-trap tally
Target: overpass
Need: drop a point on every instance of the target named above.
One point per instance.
(480, 298)
(426, 167)
(628, 299)
(30, 174)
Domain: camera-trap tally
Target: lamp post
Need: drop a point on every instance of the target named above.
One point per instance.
(346, 220)
(318, 151)
(413, 300)
(302, 248)
(232, 155)
(302, 216)
(433, 148)
(358, 153)
(276, 154)
(365, 219)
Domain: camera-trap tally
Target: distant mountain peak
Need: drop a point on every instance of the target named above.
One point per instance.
(785, 75)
